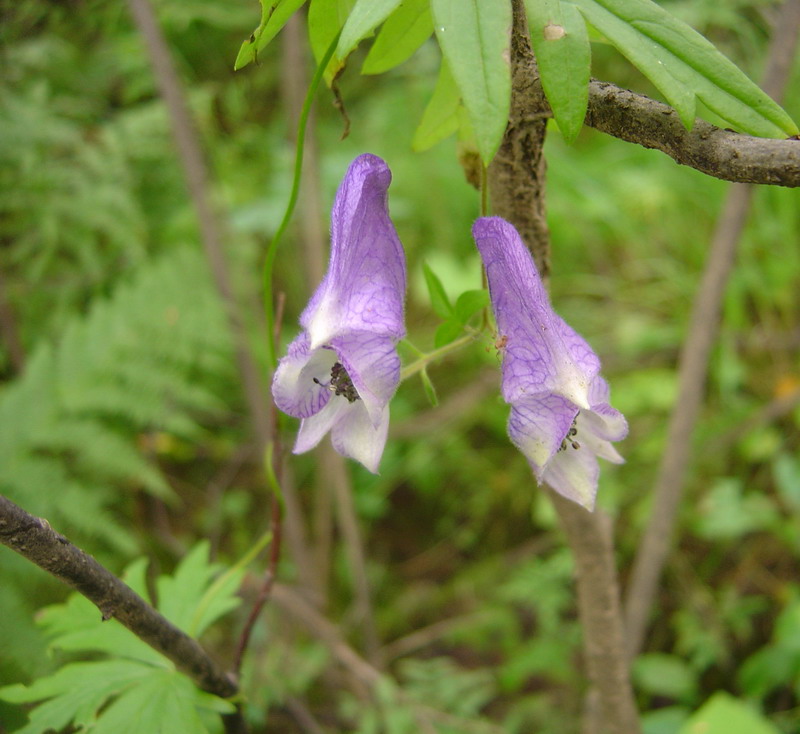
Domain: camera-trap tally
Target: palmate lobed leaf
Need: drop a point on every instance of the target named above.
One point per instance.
(163, 703)
(146, 692)
(190, 600)
(74, 693)
(685, 66)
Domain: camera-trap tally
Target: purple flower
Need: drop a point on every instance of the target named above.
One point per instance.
(342, 370)
(560, 416)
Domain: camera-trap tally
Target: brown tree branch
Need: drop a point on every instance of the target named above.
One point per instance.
(34, 539)
(520, 166)
(516, 175)
(720, 153)
(694, 359)
(610, 704)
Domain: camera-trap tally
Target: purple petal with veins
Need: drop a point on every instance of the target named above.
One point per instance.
(560, 416)
(341, 372)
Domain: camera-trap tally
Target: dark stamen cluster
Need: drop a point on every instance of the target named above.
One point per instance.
(340, 383)
(570, 437)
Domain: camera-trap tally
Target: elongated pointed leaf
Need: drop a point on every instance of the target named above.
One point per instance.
(683, 64)
(404, 31)
(446, 332)
(429, 388)
(325, 20)
(561, 44)
(440, 118)
(364, 18)
(469, 303)
(440, 303)
(474, 37)
(273, 17)
(645, 56)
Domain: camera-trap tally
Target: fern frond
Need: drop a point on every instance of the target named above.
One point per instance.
(136, 363)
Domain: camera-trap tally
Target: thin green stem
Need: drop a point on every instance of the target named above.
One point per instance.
(272, 249)
(422, 362)
(484, 192)
(413, 348)
(269, 469)
(484, 213)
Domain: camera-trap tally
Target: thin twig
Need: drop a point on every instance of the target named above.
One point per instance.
(425, 636)
(267, 585)
(454, 408)
(694, 359)
(365, 673)
(336, 472)
(300, 610)
(303, 716)
(273, 462)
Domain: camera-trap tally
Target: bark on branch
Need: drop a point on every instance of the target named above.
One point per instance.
(33, 538)
(720, 153)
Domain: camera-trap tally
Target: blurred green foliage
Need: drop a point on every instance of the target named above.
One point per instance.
(127, 428)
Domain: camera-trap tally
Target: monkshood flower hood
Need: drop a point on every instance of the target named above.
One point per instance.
(560, 416)
(342, 370)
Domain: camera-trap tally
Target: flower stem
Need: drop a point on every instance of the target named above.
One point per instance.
(272, 249)
(420, 364)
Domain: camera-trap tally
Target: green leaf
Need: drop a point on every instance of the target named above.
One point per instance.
(561, 44)
(439, 301)
(665, 720)
(474, 37)
(273, 17)
(447, 332)
(469, 303)
(75, 693)
(645, 56)
(183, 594)
(786, 474)
(76, 625)
(771, 667)
(162, 703)
(428, 387)
(404, 31)
(441, 116)
(145, 692)
(723, 714)
(665, 675)
(682, 64)
(325, 20)
(363, 19)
